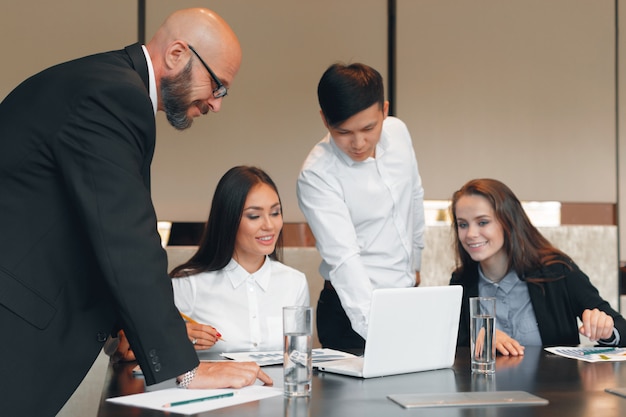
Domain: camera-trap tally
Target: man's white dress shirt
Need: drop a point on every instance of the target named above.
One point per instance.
(367, 217)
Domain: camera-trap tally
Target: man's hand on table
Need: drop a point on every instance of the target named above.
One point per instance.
(212, 375)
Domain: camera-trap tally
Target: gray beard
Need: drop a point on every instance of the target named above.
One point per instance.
(174, 95)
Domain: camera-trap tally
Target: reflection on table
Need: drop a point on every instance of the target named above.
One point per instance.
(572, 387)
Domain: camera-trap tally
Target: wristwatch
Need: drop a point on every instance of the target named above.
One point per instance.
(185, 379)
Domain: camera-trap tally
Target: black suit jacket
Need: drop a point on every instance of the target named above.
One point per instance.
(79, 248)
(557, 303)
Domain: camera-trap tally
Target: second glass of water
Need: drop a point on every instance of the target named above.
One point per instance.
(482, 334)
(297, 363)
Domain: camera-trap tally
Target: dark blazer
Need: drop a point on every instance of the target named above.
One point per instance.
(79, 248)
(557, 303)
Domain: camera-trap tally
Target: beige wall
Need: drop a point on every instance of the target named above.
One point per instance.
(35, 36)
(622, 133)
(270, 117)
(521, 90)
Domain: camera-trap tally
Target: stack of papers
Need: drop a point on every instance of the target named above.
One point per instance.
(590, 354)
(276, 357)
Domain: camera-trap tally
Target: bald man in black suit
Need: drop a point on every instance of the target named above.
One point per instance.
(79, 249)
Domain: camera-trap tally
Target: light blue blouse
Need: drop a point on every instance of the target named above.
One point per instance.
(515, 315)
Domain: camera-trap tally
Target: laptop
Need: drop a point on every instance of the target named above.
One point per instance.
(410, 330)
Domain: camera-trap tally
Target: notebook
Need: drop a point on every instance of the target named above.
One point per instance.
(467, 399)
(410, 330)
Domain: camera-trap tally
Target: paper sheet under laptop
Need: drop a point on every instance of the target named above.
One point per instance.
(410, 330)
(276, 357)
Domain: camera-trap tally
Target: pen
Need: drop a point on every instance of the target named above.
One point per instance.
(190, 320)
(594, 351)
(187, 318)
(197, 400)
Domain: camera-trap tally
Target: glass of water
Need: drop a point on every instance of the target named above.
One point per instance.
(297, 364)
(482, 334)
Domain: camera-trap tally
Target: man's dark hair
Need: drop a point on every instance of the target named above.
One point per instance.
(345, 90)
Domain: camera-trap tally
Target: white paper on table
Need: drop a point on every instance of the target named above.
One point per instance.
(276, 357)
(590, 354)
(157, 399)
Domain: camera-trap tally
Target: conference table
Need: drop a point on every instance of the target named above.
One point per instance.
(573, 388)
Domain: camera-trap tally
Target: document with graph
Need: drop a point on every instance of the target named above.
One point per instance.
(590, 354)
(276, 357)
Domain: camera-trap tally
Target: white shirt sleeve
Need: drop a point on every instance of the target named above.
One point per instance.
(329, 219)
(419, 224)
(184, 294)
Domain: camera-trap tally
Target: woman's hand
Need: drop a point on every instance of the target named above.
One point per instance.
(506, 345)
(202, 336)
(596, 325)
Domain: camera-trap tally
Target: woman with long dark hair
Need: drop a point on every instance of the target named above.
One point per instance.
(540, 292)
(234, 282)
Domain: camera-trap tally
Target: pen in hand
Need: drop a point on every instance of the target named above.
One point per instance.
(197, 400)
(190, 320)
(187, 318)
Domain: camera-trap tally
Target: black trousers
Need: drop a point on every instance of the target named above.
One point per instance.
(333, 326)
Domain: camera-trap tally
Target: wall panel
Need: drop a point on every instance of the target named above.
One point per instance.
(36, 36)
(621, 79)
(519, 90)
(271, 116)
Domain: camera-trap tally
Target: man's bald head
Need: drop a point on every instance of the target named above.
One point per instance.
(206, 31)
(183, 92)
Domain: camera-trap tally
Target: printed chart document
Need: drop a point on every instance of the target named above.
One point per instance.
(276, 357)
(166, 399)
(590, 354)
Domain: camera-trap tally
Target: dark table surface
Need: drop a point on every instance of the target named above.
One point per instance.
(573, 389)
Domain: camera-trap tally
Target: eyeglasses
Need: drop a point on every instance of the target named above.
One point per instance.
(221, 89)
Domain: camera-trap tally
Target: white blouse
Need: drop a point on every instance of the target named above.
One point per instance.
(245, 308)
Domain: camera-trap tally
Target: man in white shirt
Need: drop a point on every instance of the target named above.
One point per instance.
(362, 196)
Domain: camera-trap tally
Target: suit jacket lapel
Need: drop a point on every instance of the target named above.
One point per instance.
(137, 57)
